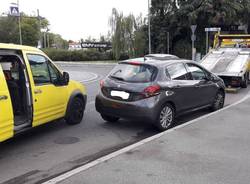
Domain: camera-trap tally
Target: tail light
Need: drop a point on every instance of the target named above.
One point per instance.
(151, 91)
(101, 84)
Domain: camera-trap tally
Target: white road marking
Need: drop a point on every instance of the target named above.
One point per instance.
(95, 80)
(95, 76)
(91, 102)
(133, 146)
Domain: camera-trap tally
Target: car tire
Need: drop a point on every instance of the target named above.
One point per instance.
(166, 117)
(244, 82)
(76, 112)
(218, 102)
(108, 118)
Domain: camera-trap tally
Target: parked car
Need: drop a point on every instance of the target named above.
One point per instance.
(33, 91)
(158, 91)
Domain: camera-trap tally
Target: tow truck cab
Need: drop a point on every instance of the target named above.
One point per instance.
(33, 91)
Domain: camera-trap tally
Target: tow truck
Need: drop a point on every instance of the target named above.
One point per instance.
(230, 60)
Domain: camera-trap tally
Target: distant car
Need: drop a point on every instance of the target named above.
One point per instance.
(158, 91)
(161, 56)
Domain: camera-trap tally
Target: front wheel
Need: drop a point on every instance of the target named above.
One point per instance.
(76, 112)
(108, 118)
(244, 82)
(218, 101)
(166, 117)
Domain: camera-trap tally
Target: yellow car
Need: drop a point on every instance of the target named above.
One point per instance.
(33, 91)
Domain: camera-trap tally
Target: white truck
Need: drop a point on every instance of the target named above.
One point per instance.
(230, 59)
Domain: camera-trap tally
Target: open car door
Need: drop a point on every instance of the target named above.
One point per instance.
(6, 112)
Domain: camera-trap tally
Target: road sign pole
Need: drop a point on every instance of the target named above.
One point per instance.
(206, 42)
(168, 41)
(149, 29)
(193, 38)
(19, 22)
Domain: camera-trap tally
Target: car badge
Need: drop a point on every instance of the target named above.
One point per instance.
(118, 86)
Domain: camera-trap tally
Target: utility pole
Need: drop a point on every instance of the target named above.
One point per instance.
(149, 29)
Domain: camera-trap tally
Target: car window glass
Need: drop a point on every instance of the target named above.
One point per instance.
(177, 71)
(54, 73)
(196, 72)
(39, 69)
(133, 73)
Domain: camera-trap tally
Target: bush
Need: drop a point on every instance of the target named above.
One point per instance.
(78, 55)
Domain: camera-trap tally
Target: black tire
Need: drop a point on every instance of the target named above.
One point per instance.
(244, 82)
(108, 118)
(76, 112)
(218, 102)
(166, 117)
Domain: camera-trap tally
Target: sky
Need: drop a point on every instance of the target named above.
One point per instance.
(76, 19)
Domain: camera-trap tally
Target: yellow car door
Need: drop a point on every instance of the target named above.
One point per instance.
(49, 99)
(6, 112)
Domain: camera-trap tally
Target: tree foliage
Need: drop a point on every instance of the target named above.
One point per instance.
(31, 32)
(176, 16)
(127, 34)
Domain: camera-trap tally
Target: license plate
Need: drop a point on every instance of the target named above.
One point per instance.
(122, 94)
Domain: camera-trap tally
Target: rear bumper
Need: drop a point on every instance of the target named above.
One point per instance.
(146, 109)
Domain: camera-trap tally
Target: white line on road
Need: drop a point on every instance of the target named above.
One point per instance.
(133, 146)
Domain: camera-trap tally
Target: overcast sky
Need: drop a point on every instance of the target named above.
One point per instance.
(75, 19)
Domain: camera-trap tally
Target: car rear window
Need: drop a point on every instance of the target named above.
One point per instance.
(134, 72)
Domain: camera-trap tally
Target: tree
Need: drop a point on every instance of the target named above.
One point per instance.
(56, 41)
(127, 34)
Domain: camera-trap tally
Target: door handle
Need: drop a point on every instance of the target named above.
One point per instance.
(3, 97)
(37, 91)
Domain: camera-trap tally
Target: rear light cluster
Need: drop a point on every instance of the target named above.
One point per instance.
(101, 84)
(151, 91)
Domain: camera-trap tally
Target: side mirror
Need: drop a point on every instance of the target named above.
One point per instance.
(66, 78)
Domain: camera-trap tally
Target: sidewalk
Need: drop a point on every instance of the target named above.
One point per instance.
(212, 150)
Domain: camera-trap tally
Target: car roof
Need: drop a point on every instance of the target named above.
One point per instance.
(161, 56)
(155, 62)
(10, 46)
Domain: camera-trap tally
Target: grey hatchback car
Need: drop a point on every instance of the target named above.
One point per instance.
(158, 91)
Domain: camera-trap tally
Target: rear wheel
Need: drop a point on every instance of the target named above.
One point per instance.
(218, 101)
(166, 117)
(108, 118)
(76, 112)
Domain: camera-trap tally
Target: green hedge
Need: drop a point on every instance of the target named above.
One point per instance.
(78, 55)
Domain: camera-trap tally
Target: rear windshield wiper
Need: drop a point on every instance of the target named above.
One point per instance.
(118, 78)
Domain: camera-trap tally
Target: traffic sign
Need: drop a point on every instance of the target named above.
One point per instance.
(193, 28)
(212, 29)
(14, 11)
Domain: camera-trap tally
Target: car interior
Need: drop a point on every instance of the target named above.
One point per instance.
(16, 80)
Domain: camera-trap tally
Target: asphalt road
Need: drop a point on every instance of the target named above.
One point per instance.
(52, 149)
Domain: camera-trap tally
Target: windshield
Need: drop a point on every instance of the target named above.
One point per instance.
(133, 73)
